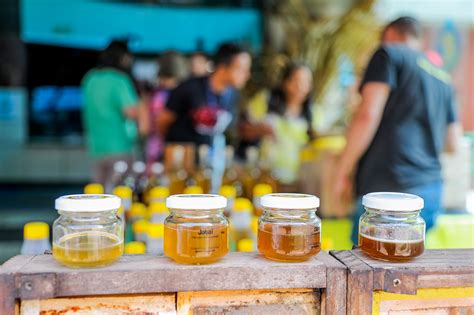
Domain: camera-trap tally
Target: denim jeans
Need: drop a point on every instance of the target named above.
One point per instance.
(431, 194)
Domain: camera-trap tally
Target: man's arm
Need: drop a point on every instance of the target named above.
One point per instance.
(164, 121)
(364, 125)
(453, 138)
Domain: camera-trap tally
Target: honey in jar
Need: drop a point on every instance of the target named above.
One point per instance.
(289, 229)
(391, 229)
(88, 232)
(196, 232)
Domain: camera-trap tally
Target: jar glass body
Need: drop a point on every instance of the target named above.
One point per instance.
(88, 239)
(391, 235)
(196, 236)
(289, 235)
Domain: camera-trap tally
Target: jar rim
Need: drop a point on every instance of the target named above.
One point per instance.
(87, 203)
(290, 201)
(196, 202)
(392, 201)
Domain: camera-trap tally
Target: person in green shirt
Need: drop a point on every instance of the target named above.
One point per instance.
(110, 111)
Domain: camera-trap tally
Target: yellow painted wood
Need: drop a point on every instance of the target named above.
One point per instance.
(435, 293)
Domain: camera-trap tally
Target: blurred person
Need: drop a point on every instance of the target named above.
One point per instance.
(406, 118)
(201, 108)
(111, 110)
(199, 65)
(172, 70)
(280, 121)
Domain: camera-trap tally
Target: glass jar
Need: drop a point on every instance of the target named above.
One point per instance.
(289, 229)
(391, 228)
(88, 232)
(196, 231)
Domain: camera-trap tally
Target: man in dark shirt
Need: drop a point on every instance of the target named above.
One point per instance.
(406, 118)
(200, 108)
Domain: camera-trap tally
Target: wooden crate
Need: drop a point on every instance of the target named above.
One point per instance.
(438, 282)
(33, 284)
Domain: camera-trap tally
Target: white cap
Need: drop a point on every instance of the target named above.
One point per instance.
(196, 202)
(120, 167)
(157, 168)
(392, 201)
(138, 167)
(87, 203)
(289, 201)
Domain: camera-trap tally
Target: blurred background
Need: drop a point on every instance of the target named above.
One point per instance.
(47, 47)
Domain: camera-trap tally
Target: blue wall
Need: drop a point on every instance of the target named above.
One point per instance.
(91, 24)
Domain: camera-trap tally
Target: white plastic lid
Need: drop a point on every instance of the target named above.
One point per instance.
(87, 203)
(138, 167)
(196, 202)
(120, 167)
(289, 201)
(393, 201)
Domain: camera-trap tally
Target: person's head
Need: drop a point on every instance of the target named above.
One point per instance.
(173, 69)
(404, 30)
(232, 63)
(116, 55)
(199, 64)
(296, 82)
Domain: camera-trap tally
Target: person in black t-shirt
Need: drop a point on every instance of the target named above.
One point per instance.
(200, 108)
(406, 119)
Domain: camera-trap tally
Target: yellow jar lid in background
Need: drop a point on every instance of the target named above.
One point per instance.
(137, 209)
(159, 192)
(193, 190)
(94, 188)
(140, 226)
(157, 207)
(156, 230)
(228, 191)
(245, 245)
(123, 192)
(255, 225)
(36, 231)
(242, 205)
(135, 248)
(262, 189)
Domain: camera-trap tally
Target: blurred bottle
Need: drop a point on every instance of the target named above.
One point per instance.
(158, 212)
(241, 220)
(125, 194)
(140, 230)
(231, 173)
(267, 175)
(258, 191)
(94, 188)
(230, 193)
(193, 190)
(178, 175)
(203, 175)
(35, 238)
(246, 245)
(137, 212)
(154, 243)
(157, 178)
(158, 194)
(251, 173)
(118, 177)
(135, 248)
(140, 180)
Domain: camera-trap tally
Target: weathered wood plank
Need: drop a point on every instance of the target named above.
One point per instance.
(7, 283)
(334, 297)
(359, 283)
(148, 274)
(290, 301)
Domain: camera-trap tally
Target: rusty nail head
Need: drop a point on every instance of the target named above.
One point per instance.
(28, 286)
(396, 282)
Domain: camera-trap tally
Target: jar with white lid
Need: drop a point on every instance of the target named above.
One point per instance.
(88, 232)
(289, 229)
(391, 228)
(196, 231)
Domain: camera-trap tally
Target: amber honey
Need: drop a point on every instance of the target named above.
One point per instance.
(391, 250)
(88, 249)
(289, 243)
(198, 244)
